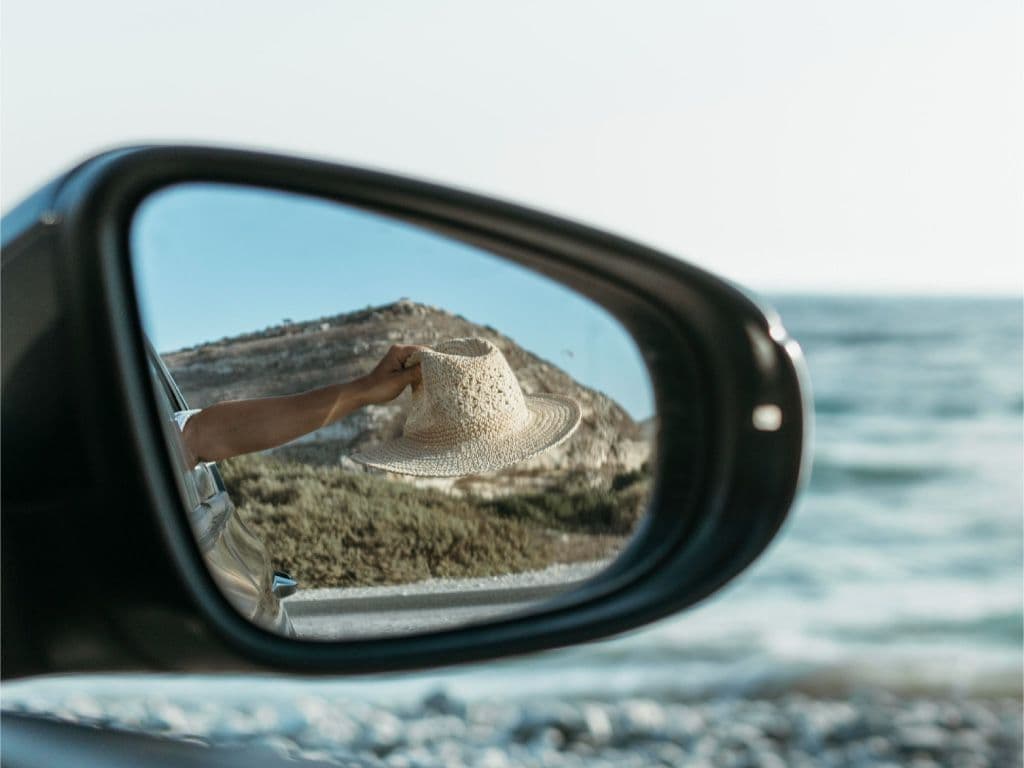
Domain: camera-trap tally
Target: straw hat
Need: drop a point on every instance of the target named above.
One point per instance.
(469, 415)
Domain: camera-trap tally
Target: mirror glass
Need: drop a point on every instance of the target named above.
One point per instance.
(379, 429)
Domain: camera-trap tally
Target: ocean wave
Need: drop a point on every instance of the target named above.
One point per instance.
(911, 410)
(840, 337)
(847, 475)
(761, 676)
(1001, 629)
(837, 405)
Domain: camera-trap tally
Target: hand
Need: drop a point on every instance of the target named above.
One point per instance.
(393, 374)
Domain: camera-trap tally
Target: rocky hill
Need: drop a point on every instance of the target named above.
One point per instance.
(293, 357)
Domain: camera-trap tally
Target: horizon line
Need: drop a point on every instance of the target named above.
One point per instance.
(875, 293)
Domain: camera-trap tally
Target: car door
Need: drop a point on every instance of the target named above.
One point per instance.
(237, 558)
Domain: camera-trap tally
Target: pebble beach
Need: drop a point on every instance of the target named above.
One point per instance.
(870, 730)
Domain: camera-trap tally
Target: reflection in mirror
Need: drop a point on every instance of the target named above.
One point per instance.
(380, 430)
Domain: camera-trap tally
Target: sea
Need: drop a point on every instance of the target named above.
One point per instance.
(900, 568)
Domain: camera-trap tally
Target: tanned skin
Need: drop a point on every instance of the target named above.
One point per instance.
(235, 427)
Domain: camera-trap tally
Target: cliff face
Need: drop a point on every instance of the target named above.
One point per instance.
(298, 356)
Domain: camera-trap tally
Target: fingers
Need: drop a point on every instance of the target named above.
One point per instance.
(410, 376)
(413, 360)
(403, 354)
(402, 362)
(399, 368)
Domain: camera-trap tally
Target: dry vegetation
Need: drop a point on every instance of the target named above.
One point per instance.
(329, 527)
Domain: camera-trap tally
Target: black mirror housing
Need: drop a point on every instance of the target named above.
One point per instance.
(100, 569)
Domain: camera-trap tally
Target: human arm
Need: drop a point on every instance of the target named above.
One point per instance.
(235, 427)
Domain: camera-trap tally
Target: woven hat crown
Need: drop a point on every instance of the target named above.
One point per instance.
(469, 415)
(467, 390)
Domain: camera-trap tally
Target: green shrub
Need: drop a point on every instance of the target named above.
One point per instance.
(329, 527)
(624, 480)
(591, 510)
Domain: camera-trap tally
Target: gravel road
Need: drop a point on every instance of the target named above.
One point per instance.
(362, 612)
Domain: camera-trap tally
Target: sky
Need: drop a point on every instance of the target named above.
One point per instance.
(255, 257)
(869, 146)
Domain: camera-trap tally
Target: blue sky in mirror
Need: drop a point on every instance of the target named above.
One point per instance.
(214, 261)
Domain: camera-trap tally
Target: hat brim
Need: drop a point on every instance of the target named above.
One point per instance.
(553, 418)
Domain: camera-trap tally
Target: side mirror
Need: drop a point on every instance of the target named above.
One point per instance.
(571, 435)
